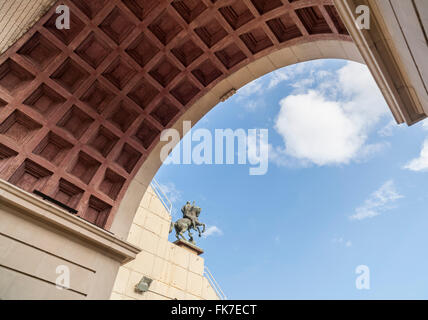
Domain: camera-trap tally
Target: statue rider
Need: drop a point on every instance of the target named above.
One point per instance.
(189, 221)
(188, 212)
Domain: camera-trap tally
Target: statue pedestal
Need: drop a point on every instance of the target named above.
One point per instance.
(189, 247)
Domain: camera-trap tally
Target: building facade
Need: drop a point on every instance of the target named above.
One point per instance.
(82, 109)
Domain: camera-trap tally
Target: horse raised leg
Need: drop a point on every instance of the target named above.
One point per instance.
(197, 227)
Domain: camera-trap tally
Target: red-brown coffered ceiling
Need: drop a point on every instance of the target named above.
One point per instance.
(81, 109)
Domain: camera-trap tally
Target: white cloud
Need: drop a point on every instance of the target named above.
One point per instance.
(250, 96)
(298, 76)
(278, 76)
(317, 130)
(171, 191)
(379, 201)
(252, 88)
(252, 105)
(368, 150)
(424, 124)
(323, 73)
(302, 84)
(342, 241)
(420, 163)
(337, 240)
(388, 129)
(329, 124)
(212, 231)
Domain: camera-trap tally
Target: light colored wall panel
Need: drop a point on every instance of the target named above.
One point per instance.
(17, 16)
(176, 273)
(37, 237)
(19, 286)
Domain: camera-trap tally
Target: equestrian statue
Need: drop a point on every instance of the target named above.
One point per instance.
(188, 222)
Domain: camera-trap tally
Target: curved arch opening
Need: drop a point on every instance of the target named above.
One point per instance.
(332, 49)
(324, 207)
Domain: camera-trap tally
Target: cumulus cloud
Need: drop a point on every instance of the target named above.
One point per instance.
(252, 105)
(278, 76)
(342, 241)
(252, 88)
(337, 240)
(379, 201)
(388, 129)
(302, 84)
(420, 163)
(317, 130)
(329, 123)
(424, 124)
(251, 96)
(212, 231)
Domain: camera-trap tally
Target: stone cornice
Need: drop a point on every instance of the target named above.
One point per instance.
(47, 213)
(384, 63)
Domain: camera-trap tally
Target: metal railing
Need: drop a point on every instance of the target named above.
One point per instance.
(161, 195)
(214, 284)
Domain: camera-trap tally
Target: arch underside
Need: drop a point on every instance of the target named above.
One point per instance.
(81, 110)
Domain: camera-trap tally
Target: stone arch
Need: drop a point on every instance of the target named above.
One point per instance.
(82, 109)
(323, 49)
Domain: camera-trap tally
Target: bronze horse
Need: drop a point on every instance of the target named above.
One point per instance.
(185, 224)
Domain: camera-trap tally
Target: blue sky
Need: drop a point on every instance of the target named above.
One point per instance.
(345, 187)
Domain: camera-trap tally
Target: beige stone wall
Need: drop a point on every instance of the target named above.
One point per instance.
(17, 16)
(404, 29)
(176, 273)
(37, 237)
(394, 48)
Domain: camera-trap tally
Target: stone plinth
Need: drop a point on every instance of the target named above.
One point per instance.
(189, 247)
